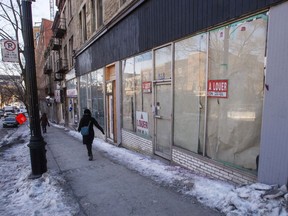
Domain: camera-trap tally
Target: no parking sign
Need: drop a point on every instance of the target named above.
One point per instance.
(9, 50)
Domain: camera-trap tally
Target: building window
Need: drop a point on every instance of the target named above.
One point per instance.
(83, 93)
(189, 92)
(128, 94)
(236, 57)
(93, 16)
(71, 54)
(137, 100)
(96, 14)
(84, 27)
(99, 13)
(65, 51)
(82, 22)
(97, 96)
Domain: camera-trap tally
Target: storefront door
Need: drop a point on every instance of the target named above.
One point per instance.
(111, 124)
(163, 112)
(110, 116)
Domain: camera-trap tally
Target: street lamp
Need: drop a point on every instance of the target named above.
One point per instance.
(37, 143)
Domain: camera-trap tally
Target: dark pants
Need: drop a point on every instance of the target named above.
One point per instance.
(44, 128)
(89, 149)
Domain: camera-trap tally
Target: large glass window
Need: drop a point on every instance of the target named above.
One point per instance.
(236, 65)
(137, 94)
(83, 93)
(71, 86)
(128, 113)
(143, 93)
(97, 96)
(163, 63)
(189, 92)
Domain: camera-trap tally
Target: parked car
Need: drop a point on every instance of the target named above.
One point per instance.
(6, 114)
(1, 113)
(10, 122)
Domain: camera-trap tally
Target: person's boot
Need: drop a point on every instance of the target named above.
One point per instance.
(90, 157)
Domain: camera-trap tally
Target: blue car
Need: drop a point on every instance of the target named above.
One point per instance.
(10, 122)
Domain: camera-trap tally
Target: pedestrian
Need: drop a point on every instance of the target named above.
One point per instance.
(88, 120)
(44, 122)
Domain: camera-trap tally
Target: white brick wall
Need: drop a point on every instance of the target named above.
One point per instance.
(210, 168)
(190, 161)
(136, 143)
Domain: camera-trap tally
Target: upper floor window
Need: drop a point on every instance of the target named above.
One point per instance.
(82, 22)
(71, 52)
(96, 14)
(93, 16)
(99, 13)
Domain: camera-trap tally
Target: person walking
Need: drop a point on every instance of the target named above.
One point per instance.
(44, 122)
(88, 120)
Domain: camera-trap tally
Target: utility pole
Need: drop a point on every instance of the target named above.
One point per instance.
(37, 143)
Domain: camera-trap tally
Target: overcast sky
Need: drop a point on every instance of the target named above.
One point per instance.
(41, 9)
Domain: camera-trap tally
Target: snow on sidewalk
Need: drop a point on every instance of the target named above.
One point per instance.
(20, 195)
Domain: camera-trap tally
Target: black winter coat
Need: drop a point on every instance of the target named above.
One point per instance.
(88, 139)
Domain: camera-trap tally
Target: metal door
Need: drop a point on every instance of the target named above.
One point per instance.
(163, 116)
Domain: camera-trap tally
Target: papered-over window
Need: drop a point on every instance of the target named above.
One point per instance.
(235, 79)
(189, 92)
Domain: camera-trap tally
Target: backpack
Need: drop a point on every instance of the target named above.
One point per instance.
(85, 130)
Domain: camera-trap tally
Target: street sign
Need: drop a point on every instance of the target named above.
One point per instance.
(9, 50)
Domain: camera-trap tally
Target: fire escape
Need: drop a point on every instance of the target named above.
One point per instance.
(59, 30)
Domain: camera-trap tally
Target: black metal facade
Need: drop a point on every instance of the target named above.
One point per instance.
(156, 22)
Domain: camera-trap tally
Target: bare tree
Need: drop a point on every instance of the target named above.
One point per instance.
(11, 28)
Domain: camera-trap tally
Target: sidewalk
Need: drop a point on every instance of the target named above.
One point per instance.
(104, 188)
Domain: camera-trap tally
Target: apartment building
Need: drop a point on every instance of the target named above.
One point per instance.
(42, 39)
(197, 83)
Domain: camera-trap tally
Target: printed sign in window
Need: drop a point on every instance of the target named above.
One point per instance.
(147, 87)
(217, 88)
(142, 122)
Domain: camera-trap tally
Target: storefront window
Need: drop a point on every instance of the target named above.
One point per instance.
(83, 93)
(89, 81)
(97, 96)
(143, 93)
(163, 64)
(235, 92)
(137, 94)
(72, 100)
(128, 103)
(189, 93)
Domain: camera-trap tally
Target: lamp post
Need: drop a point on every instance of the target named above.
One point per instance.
(37, 143)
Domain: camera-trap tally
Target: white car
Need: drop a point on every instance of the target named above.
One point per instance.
(6, 114)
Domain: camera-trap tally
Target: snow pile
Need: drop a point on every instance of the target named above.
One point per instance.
(48, 195)
(20, 195)
(254, 199)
